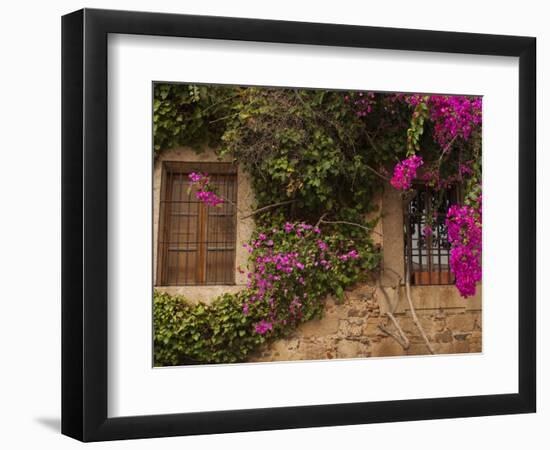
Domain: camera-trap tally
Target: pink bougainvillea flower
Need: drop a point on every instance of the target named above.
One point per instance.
(288, 227)
(464, 234)
(427, 231)
(405, 172)
(454, 116)
(263, 327)
(204, 192)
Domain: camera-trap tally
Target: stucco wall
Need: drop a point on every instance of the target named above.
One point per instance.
(392, 236)
(245, 205)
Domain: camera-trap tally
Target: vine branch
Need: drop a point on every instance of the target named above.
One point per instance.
(413, 311)
(343, 222)
(400, 337)
(446, 150)
(265, 208)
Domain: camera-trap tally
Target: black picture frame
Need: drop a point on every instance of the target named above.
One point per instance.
(84, 224)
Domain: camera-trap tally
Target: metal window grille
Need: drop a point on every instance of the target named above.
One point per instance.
(428, 255)
(196, 242)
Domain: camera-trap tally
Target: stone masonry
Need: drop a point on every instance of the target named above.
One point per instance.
(351, 329)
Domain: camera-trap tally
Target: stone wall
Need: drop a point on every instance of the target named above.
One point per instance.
(352, 329)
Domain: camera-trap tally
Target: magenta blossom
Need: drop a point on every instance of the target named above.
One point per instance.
(405, 172)
(204, 192)
(283, 263)
(427, 231)
(464, 234)
(352, 254)
(453, 116)
(263, 327)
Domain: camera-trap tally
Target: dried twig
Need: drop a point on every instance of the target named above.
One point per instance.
(445, 151)
(401, 337)
(231, 202)
(320, 220)
(378, 174)
(399, 279)
(265, 208)
(343, 222)
(371, 141)
(413, 311)
(402, 334)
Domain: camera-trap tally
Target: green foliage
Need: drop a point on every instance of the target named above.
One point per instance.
(303, 145)
(309, 146)
(185, 114)
(186, 333)
(298, 265)
(415, 132)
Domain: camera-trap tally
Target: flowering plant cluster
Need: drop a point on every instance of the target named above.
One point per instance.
(452, 115)
(292, 269)
(433, 178)
(204, 192)
(464, 230)
(363, 103)
(405, 172)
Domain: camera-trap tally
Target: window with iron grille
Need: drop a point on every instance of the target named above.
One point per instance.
(196, 242)
(428, 253)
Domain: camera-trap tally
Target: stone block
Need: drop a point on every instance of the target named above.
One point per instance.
(445, 336)
(320, 327)
(419, 348)
(312, 350)
(355, 311)
(438, 298)
(461, 322)
(461, 347)
(386, 347)
(350, 329)
(461, 336)
(350, 349)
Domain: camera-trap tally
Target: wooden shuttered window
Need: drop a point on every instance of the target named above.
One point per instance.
(196, 242)
(429, 255)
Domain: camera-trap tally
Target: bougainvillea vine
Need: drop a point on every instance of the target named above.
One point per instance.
(405, 172)
(204, 193)
(289, 266)
(464, 229)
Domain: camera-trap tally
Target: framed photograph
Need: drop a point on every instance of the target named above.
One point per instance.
(273, 224)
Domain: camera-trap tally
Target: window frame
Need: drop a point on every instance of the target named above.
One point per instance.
(201, 273)
(435, 276)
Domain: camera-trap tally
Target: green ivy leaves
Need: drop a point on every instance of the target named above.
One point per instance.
(185, 114)
(416, 128)
(186, 333)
